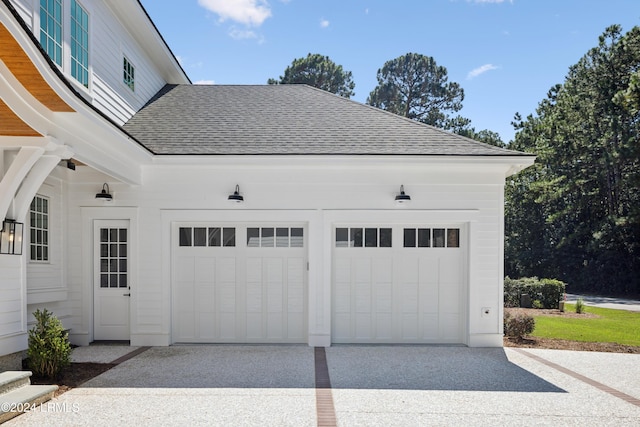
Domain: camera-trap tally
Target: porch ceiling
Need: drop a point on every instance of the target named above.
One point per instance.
(12, 125)
(17, 61)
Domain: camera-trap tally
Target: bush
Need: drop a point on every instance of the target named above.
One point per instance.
(49, 348)
(518, 325)
(580, 306)
(548, 291)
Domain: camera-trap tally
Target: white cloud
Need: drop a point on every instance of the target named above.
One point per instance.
(248, 12)
(324, 23)
(204, 82)
(240, 34)
(481, 70)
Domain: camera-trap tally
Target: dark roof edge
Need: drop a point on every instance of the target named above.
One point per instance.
(512, 153)
(164, 41)
(63, 79)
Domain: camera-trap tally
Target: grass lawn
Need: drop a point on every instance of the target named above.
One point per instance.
(615, 326)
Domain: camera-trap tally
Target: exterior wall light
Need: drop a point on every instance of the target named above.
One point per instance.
(104, 194)
(236, 197)
(11, 237)
(402, 197)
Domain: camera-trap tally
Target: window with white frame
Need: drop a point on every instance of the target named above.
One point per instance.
(51, 29)
(39, 229)
(128, 73)
(79, 43)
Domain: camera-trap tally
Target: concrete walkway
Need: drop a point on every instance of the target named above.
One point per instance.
(246, 385)
(606, 302)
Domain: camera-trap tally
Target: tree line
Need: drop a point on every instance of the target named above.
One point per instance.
(575, 214)
(412, 85)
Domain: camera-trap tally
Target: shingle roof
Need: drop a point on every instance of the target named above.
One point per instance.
(285, 119)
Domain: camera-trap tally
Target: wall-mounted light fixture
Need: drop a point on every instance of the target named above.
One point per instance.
(11, 237)
(236, 197)
(105, 194)
(402, 197)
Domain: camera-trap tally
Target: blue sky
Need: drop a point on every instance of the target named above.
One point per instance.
(506, 54)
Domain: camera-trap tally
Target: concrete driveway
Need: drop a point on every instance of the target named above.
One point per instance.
(353, 385)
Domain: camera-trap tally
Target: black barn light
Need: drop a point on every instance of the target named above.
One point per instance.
(402, 197)
(236, 197)
(104, 194)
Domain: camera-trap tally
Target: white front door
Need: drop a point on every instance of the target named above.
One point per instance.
(111, 287)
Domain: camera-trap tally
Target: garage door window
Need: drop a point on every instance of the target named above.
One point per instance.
(432, 237)
(357, 237)
(207, 236)
(279, 237)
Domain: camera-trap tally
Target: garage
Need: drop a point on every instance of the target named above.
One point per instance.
(239, 283)
(399, 283)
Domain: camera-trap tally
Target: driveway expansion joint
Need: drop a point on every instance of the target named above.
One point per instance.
(326, 414)
(602, 387)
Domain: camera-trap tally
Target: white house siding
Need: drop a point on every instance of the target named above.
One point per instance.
(45, 279)
(13, 330)
(109, 40)
(26, 10)
(318, 195)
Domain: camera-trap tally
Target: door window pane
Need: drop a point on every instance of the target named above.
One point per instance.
(424, 237)
(453, 237)
(371, 237)
(253, 237)
(438, 238)
(282, 237)
(199, 236)
(229, 236)
(385, 237)
(297, 238)
(342, 237)
(185, 236)
(356, 237)
(409, 237)
(215, 236)
(267, 239)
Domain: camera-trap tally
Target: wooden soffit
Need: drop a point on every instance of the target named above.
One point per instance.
(23, 69)
(12, 125)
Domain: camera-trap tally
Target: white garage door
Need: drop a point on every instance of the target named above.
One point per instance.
(239, 283)
(398, 284)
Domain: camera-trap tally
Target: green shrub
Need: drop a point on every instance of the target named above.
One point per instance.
(518, 325)
(548, 291)
(551, 292)
(49, 348)
(580, 306)
(537, 304)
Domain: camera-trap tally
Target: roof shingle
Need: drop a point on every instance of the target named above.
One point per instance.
(285, 119)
